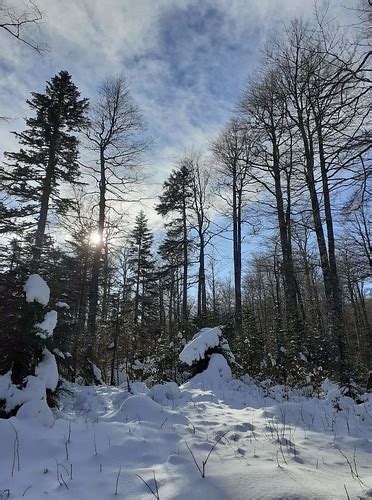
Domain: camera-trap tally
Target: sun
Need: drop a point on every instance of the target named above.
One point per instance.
(95, 238)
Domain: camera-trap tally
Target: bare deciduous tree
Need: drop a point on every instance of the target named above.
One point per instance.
(115, 137)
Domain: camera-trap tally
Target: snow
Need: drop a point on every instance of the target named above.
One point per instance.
(36, 410)
(48, 325)
(59, 353)
(217, 374)
(267, 441)
(62, 305)
(202, 341)
(37, 290)
(32, 397)
(163, 392)
(142, 408)
(97, 373)
(47, 370)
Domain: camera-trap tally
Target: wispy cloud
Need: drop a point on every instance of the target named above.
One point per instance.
(187, 61)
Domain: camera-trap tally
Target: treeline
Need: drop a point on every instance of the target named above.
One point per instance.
(291, 171)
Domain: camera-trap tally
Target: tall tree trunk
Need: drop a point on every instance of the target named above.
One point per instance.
(202, 290)
(185, 266)
(136, 293)
(94, 283)
(236, 208)
(44, 206)
(106, 282)
(334, 334)
(337, 319)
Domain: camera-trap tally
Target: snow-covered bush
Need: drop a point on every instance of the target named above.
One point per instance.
(197, 353)
(33, 379)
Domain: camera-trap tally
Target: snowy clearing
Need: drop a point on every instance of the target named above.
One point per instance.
(106, 442)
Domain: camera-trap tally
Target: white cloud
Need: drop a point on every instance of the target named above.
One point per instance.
(94, 38)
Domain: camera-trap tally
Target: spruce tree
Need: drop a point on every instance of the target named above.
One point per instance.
(48, 155)
(176, 199)
(142, 266)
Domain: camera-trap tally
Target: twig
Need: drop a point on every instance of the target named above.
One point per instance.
(347, 494)
(26, 490)
(15, 450)
(156, 492)
(117, 481)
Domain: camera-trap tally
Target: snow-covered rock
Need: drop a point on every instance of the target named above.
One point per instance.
(37, 290)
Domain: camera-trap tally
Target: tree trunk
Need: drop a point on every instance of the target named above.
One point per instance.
(185, 266)
(202, 290)
(94, 283)
(236, 208)
(44, 206)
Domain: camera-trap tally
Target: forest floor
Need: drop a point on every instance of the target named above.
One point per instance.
(255, 444)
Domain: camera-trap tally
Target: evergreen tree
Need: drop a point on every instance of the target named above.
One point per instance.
(48, 154)
(176, 199)
(142, 266)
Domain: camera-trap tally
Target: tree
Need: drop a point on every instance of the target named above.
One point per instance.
(176, 199)
(22, 24)
(232, 150)
(272, 170)
(48, 156)
(200, 204)
(329, 115)
(142, 266)
(115, 137)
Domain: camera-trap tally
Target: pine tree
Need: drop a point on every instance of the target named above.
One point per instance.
(176, 198)
(142, 265)
(48, 154)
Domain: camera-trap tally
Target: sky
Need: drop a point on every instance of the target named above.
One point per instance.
(187, 62)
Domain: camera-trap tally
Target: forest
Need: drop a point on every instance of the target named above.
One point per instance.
(291, 169)
(210, 330)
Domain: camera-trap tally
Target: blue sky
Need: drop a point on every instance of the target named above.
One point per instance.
(187, 62)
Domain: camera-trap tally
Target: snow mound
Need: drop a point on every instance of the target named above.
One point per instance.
(36, 409)
(48, 325)
(214, 377)
(201, 342)
(144, 409)
(88, 403)
(163, 393)
(36, 290)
